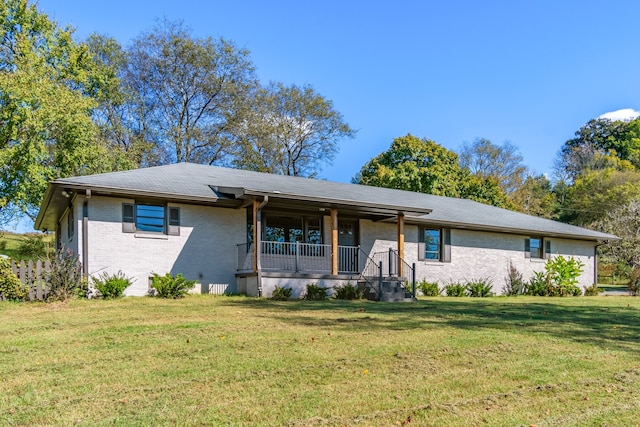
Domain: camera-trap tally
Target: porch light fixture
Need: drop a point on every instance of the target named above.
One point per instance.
(66, 193)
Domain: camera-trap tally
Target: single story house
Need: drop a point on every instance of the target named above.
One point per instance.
(247, 232)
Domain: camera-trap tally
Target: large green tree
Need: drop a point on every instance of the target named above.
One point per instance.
(623, 221)
(288, 130)
(414, 164)
(188, 99)
(424, 166)
(594, 142)
(535, 197)
(189, 91)
(121, 117)
(503, 163)
(48, 85)
(594, 193)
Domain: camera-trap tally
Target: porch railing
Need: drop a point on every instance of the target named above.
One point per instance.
(297, 257)
(393, 266)
(316, 258)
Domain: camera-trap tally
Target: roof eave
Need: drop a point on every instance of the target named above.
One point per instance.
(109, 190)
(514, 230)
(46, 201)
(340, 202)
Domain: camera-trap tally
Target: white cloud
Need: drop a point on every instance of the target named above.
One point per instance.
(624, 115)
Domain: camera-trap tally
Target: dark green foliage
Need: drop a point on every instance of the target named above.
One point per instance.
(168, 286)
(347, 292)
(316, 292)
(11, 288)
(479, 287)
(592, 291)
(429, 289)
(455, 289)
(538, 285)
(64, 278)
(514, 283)
(111, 285)
(281, 294)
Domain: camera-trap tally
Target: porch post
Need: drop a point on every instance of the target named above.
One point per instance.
(256, 236)
(400, 244)
(334, 241)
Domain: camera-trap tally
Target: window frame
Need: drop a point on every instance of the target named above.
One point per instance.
(131, 219)
(543, 249)
(307, 224)
(444, 244)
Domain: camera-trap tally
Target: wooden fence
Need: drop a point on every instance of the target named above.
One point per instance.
(31, 273)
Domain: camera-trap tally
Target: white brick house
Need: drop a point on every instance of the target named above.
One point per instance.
(247, 232)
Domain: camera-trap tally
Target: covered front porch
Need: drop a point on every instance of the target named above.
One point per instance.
(381, 275)
(294, 240)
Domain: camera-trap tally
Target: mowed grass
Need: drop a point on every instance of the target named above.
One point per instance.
(10, 244)
(207, 360)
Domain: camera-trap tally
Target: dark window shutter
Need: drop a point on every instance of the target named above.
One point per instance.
(70, 223)
(173, 228)
(421, 246)
(547, 249)
(527, 248)
(446, 247)
(128, 218)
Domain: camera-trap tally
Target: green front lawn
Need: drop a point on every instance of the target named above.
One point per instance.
(207, 360)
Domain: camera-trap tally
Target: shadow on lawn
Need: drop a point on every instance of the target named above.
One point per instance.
(611, 323)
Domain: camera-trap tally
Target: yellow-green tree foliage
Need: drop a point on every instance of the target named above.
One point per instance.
(47, 89)
(423, 166)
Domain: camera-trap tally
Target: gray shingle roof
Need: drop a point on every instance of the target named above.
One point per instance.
(194, 182)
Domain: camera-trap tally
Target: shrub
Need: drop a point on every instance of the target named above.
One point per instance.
(564, 274)
(634, 282)
(480, 287)
(539, 285)
(592, 291)
(560, 278)
(429, 289)
(168, 286)
(347, 292)
(281, 294)
(623, 270)
(64, 278)
(514, 283)
(316, 292)
(11, 288)
(33, 246)
(111, 285)
(455, 289)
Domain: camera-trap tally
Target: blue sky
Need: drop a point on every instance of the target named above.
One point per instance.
(531, 72)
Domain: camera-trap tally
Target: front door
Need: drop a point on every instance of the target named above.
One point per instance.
(348, 242)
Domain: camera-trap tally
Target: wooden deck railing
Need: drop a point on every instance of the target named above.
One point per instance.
(300, 257)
